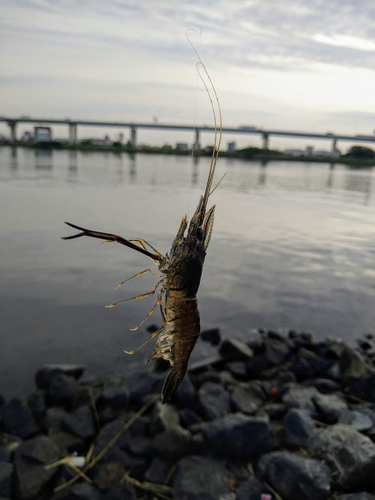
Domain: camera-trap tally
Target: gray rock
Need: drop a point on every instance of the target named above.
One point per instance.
(348, 452)
(143, 384)
(186, 396)
(198, 478)
(173, 443)
(116, 396)
(141, 446)
(298, 426)
(189, 417)
(9, 442)
(248, 398)
(352, 364)
(275, 411)
(16, 419)
(238, 369)
(214, 400)
(108, 475)
(84, 491)
(294, 477)
(6, 479)
(212, 336)
(356, 419)
(238, 436)
(62, 389)
(323, 384)
(365, 388)
(158, 470)
(277, 351)
(81, 422)
(330, 405)
(251, 489)
(44, 376)
(301, 397)
(120, 492)
(36, 403)
(235, 350)
(30, 459)
(109, 431)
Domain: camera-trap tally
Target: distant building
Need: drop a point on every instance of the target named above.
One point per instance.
(309, 150)
(182, 146)
(231, 147)
(42, 134)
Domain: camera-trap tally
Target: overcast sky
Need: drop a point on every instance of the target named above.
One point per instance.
(305, 65)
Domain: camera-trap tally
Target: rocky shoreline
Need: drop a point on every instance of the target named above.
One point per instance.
(275, 417)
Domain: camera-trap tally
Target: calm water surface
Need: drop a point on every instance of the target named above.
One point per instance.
(293, 247)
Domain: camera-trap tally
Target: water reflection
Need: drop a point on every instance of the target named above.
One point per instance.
(43, 159)
(292, 246)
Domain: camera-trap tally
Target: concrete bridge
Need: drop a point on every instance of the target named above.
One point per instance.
(197, 130)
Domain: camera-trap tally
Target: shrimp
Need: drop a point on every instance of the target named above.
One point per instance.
(181, 271)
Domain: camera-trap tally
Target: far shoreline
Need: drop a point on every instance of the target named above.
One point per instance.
(247, 154)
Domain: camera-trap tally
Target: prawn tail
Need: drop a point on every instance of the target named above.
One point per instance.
(171, 383)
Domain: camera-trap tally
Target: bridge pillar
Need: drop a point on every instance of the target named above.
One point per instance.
(265, 141)
(73, 133)
(196, 145)
(13, 131)
(133, 137)
(333, 150)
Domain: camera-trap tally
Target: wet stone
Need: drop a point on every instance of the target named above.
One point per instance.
(252, 489)
(299, 427)
(235, 350)
(144, 384)
(84, 491)
(323, 384)
(140, 446)
(189, 417)
(120, 492)
(277, 351)
(16, 419)
(6, 479)
(36, 403)
(248, 398)
(158, 470)
(199, 477)
(365, 388)
(356, 419)
(214, 400)
(330, 406)
(352, 364)
(238, 436)
(117, 397)
(81, 422)
(62, 389)
(294, 477)
(212, 336)
(238, 369)
(348, 452)
(31, 456)
(301, 397)
(45, 375)
(186, 395)
(108, 475)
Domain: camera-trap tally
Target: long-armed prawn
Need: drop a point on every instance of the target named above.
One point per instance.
(181, 271)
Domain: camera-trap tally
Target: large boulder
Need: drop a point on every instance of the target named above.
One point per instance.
(294, 477)
(348, 452)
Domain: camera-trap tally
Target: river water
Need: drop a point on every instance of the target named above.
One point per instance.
(293, 247)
